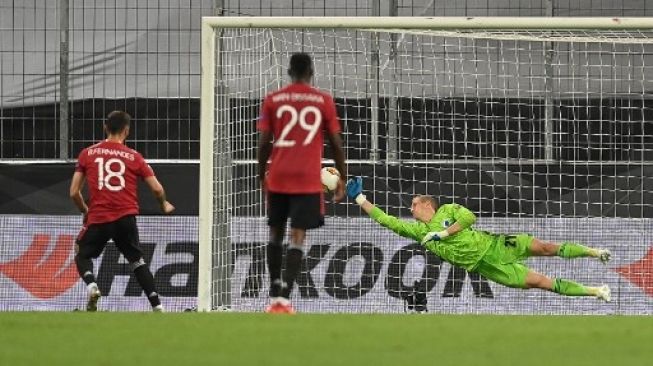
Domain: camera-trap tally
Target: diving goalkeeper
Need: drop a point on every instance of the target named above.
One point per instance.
(447, 231)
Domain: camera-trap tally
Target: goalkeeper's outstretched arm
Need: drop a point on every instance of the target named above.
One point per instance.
(366, 205)
(355, 192)
(406, 229)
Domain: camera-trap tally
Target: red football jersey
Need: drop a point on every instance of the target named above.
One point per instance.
(298, 116)
(112, 170)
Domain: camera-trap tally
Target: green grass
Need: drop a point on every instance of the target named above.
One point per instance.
(258, 339)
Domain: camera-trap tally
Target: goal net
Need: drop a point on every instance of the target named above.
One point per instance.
(539, 126)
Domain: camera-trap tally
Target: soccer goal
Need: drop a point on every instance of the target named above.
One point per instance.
(538, 125)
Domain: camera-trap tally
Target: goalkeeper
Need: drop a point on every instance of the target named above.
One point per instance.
(447, 231)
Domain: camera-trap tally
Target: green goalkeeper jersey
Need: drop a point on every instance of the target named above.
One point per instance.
(464, 249)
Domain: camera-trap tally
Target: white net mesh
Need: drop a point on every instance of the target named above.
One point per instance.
(547, 133)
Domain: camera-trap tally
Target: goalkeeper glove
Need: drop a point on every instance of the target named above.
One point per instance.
(435, 235)
(355, 190)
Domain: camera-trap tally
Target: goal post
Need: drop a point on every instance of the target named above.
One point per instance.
(537, 124)
(432, 23)
(207, 123)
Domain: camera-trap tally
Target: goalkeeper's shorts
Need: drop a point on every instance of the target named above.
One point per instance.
(502, 263)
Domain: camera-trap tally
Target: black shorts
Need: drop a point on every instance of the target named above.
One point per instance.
(124, 232)
(306, 211)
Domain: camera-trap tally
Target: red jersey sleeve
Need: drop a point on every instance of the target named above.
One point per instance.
(264, 122)
(332, 122)
(144, 169)
(81, 162)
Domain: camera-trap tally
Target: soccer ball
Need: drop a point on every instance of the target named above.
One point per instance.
(330, 177)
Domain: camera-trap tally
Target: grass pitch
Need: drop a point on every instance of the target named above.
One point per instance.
(259, 339)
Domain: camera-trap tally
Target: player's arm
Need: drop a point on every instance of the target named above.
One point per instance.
(339, 157)
(404, 228)
(76, 192)
(145, 171)
(77, 183)
(264, 126)
(147, 174)
(463, 217)
(264, 152)
(332, 127)
(159, 193)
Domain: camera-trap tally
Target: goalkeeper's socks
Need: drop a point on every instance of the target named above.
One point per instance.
(574, 250)
(293, 263)
(154, 300)
(571, 288)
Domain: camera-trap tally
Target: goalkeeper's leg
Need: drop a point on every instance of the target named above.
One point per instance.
(517, 275)
(565, 287)
(567, 250)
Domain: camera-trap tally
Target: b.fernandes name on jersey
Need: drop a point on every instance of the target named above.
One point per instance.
(113, 152)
